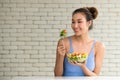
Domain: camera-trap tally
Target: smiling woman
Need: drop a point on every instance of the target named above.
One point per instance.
(83, 15)
(82, 22)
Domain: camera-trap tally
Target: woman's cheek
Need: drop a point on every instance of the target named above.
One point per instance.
(72, 26)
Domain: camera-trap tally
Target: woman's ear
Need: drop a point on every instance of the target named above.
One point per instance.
(89, 23)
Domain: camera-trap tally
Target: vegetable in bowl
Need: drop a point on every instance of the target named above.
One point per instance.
(76, 56)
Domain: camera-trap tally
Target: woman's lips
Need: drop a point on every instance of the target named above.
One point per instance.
(76, 30)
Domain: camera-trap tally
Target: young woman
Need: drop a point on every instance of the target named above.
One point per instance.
(82, 22)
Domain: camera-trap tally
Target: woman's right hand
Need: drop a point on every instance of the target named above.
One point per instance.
(61, 47)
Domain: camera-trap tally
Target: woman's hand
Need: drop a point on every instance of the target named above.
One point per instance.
(83, 64)
(61, 47)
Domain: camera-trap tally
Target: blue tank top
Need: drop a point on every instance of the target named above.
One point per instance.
(72, 70)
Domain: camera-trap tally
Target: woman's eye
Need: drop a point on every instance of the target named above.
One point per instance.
(79, 21)
(73, 22)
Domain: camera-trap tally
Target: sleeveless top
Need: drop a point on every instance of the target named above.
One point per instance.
(72, 70)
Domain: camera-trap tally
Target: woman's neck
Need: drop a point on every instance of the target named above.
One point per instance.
(82, 38)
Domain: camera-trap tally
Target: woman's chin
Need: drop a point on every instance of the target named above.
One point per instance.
(77, 35)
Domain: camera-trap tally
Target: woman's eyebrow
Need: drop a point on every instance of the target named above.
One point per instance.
(77, 19)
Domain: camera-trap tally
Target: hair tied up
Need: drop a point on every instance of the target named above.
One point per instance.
(93, 11)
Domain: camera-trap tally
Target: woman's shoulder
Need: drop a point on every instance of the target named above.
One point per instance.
(99, 44)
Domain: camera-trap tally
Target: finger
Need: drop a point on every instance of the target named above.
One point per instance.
(61, 43)
(72, 62)
(61, 47)
(61, 50)
(75, 62)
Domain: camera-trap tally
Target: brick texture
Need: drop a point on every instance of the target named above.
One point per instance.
(29, 31)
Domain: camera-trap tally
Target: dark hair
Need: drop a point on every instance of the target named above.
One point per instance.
(90, 13)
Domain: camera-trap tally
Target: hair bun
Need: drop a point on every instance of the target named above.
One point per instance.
(93, 11)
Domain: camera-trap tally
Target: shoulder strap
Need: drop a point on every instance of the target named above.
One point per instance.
(93, 45)
(71, 48)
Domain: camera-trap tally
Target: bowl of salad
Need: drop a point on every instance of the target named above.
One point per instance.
(76, 56)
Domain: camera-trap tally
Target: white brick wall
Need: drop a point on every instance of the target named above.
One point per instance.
(29, 31)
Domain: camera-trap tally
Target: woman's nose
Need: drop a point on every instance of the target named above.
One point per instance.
(76, 25)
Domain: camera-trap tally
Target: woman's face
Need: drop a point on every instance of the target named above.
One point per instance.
(79, 24)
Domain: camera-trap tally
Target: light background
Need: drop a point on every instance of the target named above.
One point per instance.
(29, 31)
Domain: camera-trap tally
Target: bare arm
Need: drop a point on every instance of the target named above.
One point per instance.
(60, 53)
(99, 55)
(58, 71)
